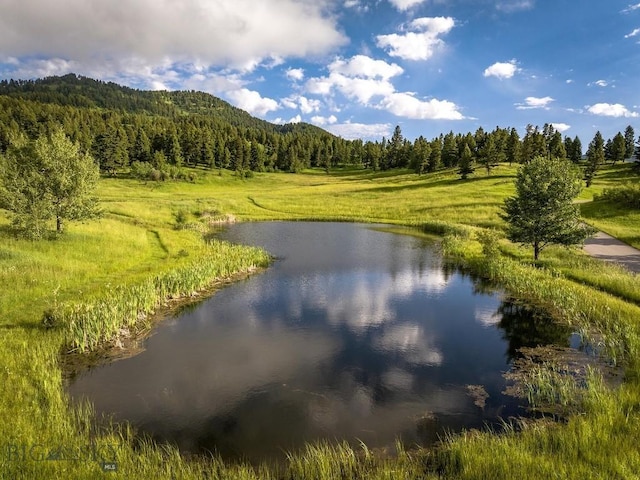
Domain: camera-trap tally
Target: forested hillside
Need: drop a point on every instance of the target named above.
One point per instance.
(120, 125)
(157, 131)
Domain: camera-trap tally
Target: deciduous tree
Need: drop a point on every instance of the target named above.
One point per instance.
(46, 179)
(542, 212)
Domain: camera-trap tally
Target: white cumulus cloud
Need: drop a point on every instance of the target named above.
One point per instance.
(353, 131)
(252, 101)
(420, 42)
(360, 78)
(364, 79)
(356, 5)
(152, 33)
(363, 66)
(611, 110)
(535, 102)
(561, 127)
(501, 70)
(363, 89)
(404, 5)
(319, 120)
(282, 121)
(308, 105)
(295, 74)
(408, 106)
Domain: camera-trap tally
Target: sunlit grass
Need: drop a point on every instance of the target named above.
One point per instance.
(135, 256)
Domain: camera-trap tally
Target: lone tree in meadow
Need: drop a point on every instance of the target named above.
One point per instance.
(47, 179)
(542, 212)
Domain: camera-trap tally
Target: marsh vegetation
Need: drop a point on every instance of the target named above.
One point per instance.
(135, 242)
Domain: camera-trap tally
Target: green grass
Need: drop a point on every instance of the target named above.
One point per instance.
(133, 259)
(616, 220)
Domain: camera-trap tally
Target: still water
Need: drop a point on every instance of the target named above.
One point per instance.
(352, 334)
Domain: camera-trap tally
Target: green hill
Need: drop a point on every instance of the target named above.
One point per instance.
(77, 91)
(121, 125)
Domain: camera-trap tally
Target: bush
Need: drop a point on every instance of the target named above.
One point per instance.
(141, 170)
(181, 217)
(627, 194)
(489, 241)
(146, 171)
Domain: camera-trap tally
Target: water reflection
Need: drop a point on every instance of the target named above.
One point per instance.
(525, 326)
(351, 334)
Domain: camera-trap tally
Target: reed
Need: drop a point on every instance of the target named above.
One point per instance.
(607, 319)
(111, 271)
(125, 309)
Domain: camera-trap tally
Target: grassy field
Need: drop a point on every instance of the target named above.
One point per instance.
(149, 241)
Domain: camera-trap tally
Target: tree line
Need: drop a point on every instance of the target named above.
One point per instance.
(157, 133)
(118, 139)
(486, 149)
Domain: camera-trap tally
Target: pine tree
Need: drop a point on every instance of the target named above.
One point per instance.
(172, 149)
(556, 146)
(394, 149)
(629, 139)
(608, 150)
(513, 148)
(576, 154)
(449, 150)
(618, 149)
(435, 155)
(257, 157)
(466, 163)
(141, 151)
(568, 147)
(488, 154)
(421, 154)
(595, 158)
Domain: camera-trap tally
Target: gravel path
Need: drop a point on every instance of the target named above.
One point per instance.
(611, 249)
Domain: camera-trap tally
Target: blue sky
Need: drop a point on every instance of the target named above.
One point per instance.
(354, 67)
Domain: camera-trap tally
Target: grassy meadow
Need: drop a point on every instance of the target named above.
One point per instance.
(111, 274)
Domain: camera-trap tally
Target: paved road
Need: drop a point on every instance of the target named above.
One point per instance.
(611, 249)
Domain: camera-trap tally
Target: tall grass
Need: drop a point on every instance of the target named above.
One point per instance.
(607, 319)
(134, 260)
(123, 308)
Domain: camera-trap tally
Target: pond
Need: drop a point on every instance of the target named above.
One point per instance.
(354, 333)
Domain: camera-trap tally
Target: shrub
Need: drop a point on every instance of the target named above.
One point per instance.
(181, 217)
(141, 170)
(627, 194)
(489, 240)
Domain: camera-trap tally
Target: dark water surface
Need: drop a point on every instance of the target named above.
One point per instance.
(352, 334)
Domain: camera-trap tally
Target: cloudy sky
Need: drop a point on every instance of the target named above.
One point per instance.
(354, 67)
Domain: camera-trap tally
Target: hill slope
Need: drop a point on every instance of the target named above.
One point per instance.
(120, 125)
(77, 91)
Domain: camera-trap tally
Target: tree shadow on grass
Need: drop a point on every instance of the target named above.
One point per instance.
(459, 206)
(438, 183)
(23, 326)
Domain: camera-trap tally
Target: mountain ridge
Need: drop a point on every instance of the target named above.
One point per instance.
(85, 92)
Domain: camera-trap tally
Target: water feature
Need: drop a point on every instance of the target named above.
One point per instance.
(352, 334)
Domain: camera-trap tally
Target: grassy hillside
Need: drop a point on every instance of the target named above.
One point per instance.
(137, 239)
